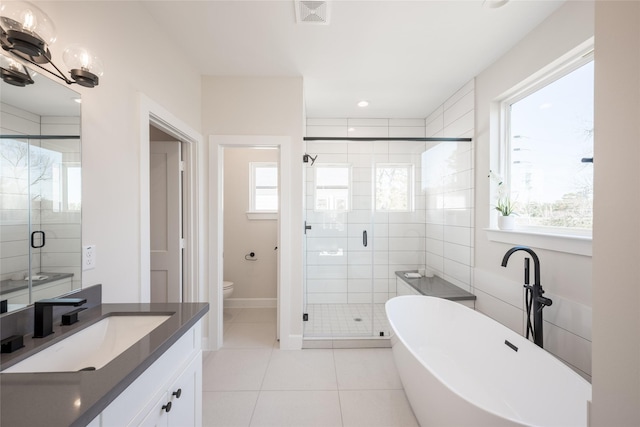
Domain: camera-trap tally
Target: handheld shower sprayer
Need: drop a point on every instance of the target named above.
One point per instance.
(308, 157)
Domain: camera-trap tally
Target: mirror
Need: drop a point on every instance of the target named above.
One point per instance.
(40, 192)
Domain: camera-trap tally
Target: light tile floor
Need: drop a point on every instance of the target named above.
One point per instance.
(250, 382)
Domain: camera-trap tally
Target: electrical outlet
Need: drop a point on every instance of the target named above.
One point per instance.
(88, 257)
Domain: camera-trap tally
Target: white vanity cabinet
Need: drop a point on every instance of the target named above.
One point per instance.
(181, 403)
(152, 399)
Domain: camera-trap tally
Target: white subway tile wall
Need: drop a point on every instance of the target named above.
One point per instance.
(448, 189)
(338, 268)
(341, 270)
(567, 323)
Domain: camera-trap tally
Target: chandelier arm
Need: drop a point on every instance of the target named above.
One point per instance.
(60, 73)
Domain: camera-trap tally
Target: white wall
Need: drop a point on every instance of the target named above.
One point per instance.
(265, 106)
(616, 290)
(252, 279)
(565, 277)
(449, 189)
(135, 62)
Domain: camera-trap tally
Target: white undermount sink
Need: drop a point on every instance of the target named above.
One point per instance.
(92, 347)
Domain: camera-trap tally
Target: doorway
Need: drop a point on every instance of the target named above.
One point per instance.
(250, 216)
(250, 241)
(218, 144)
(193, 271)
(166, 169)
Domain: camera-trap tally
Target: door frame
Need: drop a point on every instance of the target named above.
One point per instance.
(217, 143)
(152, 113)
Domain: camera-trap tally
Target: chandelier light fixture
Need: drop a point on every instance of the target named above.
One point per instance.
(26, 34)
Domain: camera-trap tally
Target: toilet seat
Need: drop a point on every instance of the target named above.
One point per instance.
(227, 289)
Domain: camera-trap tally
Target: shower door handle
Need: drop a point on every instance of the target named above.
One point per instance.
(364, 238)
(33, 239)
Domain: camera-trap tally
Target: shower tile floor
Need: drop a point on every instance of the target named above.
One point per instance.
(346, 320)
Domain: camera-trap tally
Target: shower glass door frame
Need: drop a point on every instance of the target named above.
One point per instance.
(339, 240)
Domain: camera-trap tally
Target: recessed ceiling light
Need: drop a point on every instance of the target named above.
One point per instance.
(351, 129)
(363, 104)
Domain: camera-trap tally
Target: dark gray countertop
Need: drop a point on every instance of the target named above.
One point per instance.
(51, 399)
(7, 286)
(436, 287)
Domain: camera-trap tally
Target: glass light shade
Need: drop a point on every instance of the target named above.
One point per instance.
(15, 73)
(76, 57)
(10, 64)
(85, 68)
(24, 17)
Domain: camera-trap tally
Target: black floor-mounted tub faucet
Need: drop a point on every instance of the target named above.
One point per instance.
(534, 299)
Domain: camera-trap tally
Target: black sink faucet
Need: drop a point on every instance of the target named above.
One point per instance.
(535, 300)
(43, 309)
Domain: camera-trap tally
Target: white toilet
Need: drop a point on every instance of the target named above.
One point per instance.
(227, 289)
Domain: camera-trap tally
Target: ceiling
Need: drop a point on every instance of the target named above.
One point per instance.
(404, 57)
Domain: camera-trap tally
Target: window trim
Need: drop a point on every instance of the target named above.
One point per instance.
(572, 244)
(582, 57)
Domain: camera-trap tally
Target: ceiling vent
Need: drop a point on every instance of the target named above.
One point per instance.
(312, 12)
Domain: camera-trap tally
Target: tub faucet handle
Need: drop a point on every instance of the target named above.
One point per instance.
(543, 302)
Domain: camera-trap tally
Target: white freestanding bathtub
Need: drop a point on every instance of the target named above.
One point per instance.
(461, 368)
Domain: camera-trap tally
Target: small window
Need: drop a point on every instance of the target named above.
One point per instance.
(332, 188)
(549, 152)
(264, 187)
(394, 187)
(73, 199)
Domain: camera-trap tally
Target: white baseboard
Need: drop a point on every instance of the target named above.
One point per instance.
(250, 303)
(292, 342)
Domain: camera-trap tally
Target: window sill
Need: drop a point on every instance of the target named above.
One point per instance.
(259, 216)
(577, 245)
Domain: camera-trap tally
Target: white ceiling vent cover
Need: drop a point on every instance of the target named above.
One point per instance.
(312, 12)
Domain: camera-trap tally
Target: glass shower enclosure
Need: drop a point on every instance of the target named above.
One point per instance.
(364, 220)
(40, 189)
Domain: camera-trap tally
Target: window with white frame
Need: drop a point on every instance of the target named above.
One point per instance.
(264, 187)
(332, 187)
(394, 187)
(548, 151)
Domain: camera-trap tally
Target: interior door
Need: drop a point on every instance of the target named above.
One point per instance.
(166, 221)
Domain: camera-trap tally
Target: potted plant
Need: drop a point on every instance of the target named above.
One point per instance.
(506, 219)
(504, 205)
